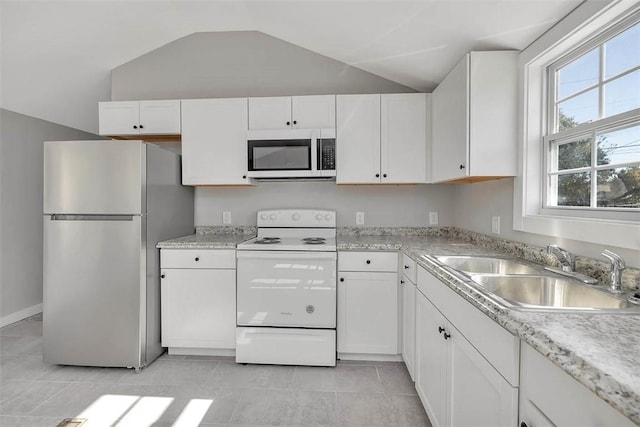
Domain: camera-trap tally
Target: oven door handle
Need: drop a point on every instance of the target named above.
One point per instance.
(285, 255)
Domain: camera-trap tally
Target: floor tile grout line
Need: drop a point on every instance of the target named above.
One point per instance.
(47, 399)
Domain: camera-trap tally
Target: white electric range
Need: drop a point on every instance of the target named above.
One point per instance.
(286, 289)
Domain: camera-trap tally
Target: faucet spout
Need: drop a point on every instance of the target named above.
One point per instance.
(617, 265)
(566, 258)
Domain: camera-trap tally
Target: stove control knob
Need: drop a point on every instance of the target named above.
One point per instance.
(295, 216)
(319, 217)
(264, 216)
(272, 217)
(327, 217)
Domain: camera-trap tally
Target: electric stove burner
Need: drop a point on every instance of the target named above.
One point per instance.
(268, 241)
(314, 240)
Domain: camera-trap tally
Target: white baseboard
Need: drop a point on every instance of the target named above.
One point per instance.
(371, 357)
(20, 315)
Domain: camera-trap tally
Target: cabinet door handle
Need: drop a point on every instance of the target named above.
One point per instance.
(523, 424)
(197, 258)
(402, 282)
(462, 167)
(384, 175)
(288, 123)
(295, 122)
(440, 329)
(141, 126)
(377, 175)
(244, 176)
(162, 276)
(342, 279)
(447, 336)
(406, 267)
(368, 261)
(135, 127)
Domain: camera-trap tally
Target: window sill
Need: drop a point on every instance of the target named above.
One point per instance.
(623, 234)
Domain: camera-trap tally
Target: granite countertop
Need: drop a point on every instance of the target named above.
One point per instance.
(599, 350)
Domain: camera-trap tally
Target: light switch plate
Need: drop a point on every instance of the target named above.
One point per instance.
(433, 218)
(226, 217)
(495, 225)
(359, 218)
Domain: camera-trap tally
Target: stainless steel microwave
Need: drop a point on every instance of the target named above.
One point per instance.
(295, 153)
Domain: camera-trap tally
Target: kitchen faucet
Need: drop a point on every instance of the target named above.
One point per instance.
(617, 265)
(566, 258)
(567, 265)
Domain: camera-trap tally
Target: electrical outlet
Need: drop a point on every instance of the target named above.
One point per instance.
(495, 225)
(359, 218)
(433, 218)
(226, 217)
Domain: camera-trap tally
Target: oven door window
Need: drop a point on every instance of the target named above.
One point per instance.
(267, 155)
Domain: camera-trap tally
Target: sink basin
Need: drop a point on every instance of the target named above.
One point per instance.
(551, 292)
(487, 265)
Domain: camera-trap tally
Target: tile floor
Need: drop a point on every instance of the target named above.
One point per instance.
(189, 391)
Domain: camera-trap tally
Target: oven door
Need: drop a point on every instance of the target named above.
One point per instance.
(288, 289)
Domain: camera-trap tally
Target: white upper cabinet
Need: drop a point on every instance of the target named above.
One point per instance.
(381, 138)
(292, 112)
(403, 140)
(357, 139)
(139, 117)
(214, 141)
(474, 119)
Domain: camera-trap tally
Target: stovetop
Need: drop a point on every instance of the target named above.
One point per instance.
(298, 243)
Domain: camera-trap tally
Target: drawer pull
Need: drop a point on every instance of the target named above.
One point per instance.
(197, 258)
(447, 336)
(440, 329)
(368, 261)
(162, 276)
(342, 279)
(406, 267)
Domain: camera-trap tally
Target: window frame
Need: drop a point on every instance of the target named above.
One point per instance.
(554, 137)
(586, 22)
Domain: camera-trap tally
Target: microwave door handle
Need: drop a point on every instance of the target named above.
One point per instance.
(314, 154)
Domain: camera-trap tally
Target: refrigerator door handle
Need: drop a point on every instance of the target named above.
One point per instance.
(59, 217)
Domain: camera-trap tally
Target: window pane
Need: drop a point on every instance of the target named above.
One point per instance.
(622, 52)
(575, 154)
(622, 94)
(579, 74)
(580, 109)
(574, 189)
(621, 146)
(619, 188)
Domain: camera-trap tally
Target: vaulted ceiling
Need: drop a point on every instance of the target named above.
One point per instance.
(56, 56)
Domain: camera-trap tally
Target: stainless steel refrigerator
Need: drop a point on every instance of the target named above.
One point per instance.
(106, 205)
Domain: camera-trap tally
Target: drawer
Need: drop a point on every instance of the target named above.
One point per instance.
(197, 258)
(409, 268)
(368, 261)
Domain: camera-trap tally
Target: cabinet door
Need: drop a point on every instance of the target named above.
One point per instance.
(214, 141)
(403, 138)
(450, 111)
(431, 360)
(358, 139)
(313, 112)
(160, 117)
(368, 313)
(270, 113)
(479, 396)
(119, 118)
(198, 308)
(409, 325)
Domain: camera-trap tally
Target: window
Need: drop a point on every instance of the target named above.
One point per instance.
(592, 147)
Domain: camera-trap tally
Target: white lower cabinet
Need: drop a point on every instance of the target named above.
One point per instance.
(550, 397)
(408, 287)
(368, 303)
(198, 292)
(456, 383)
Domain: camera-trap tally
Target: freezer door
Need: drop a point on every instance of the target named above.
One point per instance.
(93, 281)
(94, 177)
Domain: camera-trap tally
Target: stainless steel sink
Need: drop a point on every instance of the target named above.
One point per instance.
(488, 265)
(550, 292)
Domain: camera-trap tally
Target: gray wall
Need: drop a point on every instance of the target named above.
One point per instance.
(238, 64)
(21, 142)
(475, 204)
(383, 205)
